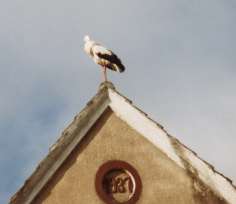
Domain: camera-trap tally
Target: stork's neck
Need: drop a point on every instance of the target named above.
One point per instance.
(89, 46)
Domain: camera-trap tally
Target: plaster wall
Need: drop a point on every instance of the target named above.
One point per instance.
(112, 139)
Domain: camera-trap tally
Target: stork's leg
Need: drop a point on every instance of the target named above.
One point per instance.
(104, 69)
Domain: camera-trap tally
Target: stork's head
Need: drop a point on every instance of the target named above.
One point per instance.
(86, 38)
(87, 45)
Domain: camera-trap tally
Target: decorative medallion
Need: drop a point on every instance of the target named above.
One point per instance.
(117, 182)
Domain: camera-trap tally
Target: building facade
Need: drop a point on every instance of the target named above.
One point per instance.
(113, 153)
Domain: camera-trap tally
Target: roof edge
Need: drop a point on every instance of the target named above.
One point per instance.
(61, 149)
(175, 150)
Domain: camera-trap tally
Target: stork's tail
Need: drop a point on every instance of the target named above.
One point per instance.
(114, 64)
(120, 67)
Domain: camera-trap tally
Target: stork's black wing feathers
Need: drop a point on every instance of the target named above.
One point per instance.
(114, 60)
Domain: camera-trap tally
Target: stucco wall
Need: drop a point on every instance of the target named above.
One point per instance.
(110, 139)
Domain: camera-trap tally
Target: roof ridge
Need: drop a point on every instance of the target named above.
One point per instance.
(107, 84)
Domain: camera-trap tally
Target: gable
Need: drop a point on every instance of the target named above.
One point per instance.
(112, 139)
(162, 155)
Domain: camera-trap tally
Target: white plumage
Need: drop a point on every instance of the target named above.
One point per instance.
(103, 56)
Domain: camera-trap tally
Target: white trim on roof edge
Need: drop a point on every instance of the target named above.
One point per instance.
(143, 125)
(210, 177)
(159, 137)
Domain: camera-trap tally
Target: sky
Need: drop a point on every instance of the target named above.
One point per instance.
(180, 69)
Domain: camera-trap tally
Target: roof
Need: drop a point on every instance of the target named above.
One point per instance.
(107, 96)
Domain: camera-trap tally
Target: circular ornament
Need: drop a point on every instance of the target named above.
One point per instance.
(117, 182)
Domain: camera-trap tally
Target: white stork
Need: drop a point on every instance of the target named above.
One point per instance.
(103, 56)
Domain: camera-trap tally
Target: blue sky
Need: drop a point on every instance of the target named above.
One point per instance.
(180, 60)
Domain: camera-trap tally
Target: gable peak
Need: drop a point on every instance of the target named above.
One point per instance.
(107, 84)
